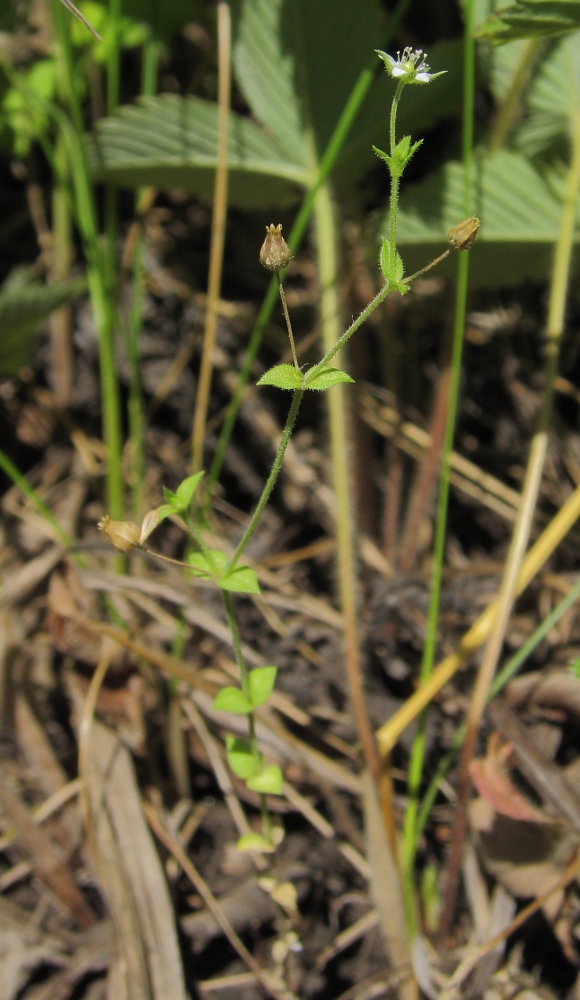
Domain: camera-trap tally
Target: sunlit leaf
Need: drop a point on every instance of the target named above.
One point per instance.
(282, 376)
(231, 699)
(325, 378)
(268, 781)
(262, 680)
(241, 759)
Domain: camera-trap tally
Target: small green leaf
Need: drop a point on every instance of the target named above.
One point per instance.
(399, 268)
(165, 511)
(240, 580)
(385, 258)
(385, 157)
(283, 377)
(262, 680)
(268, 781)
(255, 842)
(171, 499)
(203, 567)
(186, 489)
(231, 699)
(325, 378)
(574, 668)
(243, 762)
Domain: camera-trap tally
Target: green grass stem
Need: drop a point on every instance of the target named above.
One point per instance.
(417, 757)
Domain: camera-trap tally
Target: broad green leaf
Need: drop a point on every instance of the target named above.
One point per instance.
(231, 699)
(24, 306)
(268, 781)
(520, 211)
(171, 141)
(262, 680)
(255, 842)
(187, 488)
(240, 580)
(241, 759)
(297, 63)
(552, 100)
(532, 19)
(325, 378)
(282, 376)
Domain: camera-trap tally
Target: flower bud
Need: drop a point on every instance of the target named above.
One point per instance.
(124, 535)
(275, 253)
(462, 236)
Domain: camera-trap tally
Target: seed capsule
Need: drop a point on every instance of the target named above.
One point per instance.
(124, 535)
(462, 236)
(275, 253)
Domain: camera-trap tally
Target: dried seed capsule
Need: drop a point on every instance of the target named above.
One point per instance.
(462, 236)
(275, 253)
(124, 535)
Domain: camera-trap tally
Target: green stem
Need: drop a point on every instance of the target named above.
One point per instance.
(245, 686)
(417, 757)
(97, 267)
(335, 144)
(395, 179)
(271, 481)
(30, 493)
(364, 315)
(499, 682)
(151, 51)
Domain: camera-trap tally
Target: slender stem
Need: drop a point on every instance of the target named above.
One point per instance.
(143, 200)
(499, 682)
(395, 180)
(218, 229)
(103, 307)
(417, 758)
(288, 323)
(271, 481)
(245, 686)
(559, 284)
(364, 315)
(30, 493)
(390, 732)
(335, 144)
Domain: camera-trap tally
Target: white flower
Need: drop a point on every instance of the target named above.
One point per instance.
(410, 67)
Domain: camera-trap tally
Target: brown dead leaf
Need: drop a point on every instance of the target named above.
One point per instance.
(526, 857)
(47, 863)
(148, 966)
(66, 600)
(493, 783)
(555, 689)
